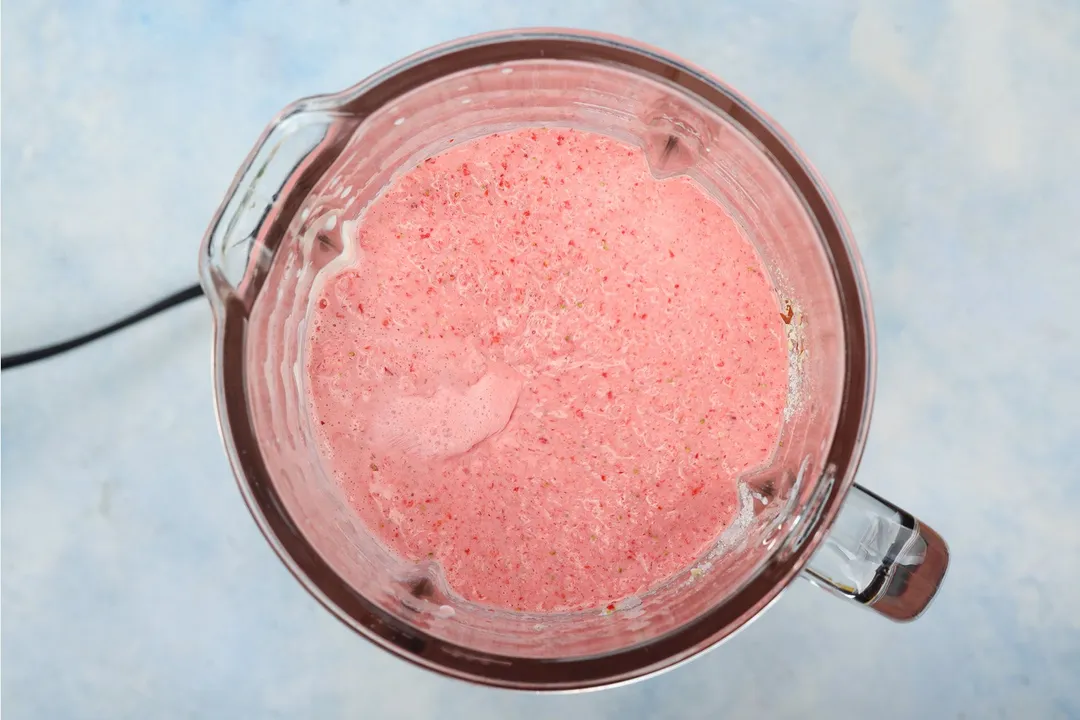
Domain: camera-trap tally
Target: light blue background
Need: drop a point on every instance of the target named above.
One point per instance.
(134, 582)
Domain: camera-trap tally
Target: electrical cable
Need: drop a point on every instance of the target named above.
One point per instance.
(8, 362)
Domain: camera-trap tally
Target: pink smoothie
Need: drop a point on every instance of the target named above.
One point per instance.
(546, 369)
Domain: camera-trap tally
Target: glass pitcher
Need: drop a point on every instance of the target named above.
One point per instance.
(323, 159)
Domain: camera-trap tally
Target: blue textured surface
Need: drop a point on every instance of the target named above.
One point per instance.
(134, 583)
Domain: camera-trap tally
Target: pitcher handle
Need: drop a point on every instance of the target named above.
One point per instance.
(880, 556)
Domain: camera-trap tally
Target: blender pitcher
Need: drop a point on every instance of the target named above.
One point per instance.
(287, 215)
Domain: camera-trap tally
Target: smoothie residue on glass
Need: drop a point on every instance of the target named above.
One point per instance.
(546, 369)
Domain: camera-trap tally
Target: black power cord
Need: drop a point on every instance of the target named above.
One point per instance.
(8, 362)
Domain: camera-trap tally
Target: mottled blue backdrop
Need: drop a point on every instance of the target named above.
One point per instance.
(134, 582)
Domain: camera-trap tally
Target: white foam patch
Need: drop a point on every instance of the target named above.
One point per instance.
(449, 422)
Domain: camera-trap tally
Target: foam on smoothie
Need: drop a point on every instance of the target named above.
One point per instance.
(448, 422)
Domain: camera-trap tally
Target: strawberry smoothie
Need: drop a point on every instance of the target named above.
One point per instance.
(544, 369)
